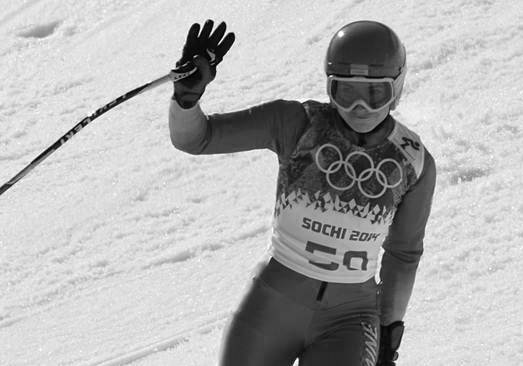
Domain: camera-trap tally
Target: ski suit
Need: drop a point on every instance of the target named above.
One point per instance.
(337, 205)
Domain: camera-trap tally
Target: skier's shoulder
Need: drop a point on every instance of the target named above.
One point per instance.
(412, 147)
(296, 110)
(292, 109)
(312, 106)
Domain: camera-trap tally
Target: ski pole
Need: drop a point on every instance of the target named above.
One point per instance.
(174, 75)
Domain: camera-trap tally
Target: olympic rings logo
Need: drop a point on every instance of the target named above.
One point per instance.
(363, 176)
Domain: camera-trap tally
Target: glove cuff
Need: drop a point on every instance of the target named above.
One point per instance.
(186, 101)
(391, 339)
(396, 330)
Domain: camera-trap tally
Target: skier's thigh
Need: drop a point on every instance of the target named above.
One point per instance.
(351, 345)
(246, 346)
(266, 330)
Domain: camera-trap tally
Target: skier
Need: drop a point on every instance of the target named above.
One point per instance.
(352, 179)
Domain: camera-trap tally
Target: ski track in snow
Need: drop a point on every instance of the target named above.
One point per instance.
(120, 250)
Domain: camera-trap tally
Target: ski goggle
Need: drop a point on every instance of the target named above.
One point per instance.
(348, 92)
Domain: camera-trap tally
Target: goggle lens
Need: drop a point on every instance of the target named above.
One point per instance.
(348, 92)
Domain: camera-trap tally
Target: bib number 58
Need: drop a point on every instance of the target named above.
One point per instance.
(311, 247)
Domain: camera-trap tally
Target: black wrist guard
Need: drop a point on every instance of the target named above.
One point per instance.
(390, 340)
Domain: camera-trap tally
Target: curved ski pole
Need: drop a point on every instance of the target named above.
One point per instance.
(174, 75)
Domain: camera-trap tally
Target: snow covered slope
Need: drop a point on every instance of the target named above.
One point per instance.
(119, 244)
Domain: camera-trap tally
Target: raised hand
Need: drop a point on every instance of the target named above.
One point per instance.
(204, 49)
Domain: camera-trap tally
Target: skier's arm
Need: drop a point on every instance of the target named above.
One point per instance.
(274, 125)
(404, 245)
(187, 127)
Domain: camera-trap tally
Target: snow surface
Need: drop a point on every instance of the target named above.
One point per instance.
(120, 249)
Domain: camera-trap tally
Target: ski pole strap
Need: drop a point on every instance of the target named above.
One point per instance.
(183, 71)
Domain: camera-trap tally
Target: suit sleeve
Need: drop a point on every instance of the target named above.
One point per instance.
(403, 246)
(275, 125)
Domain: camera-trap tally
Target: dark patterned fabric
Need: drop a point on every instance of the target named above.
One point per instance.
(336, 200)
(300, 179)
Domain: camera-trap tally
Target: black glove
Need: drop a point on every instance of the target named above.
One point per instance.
(205, 50)
(390, 340)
